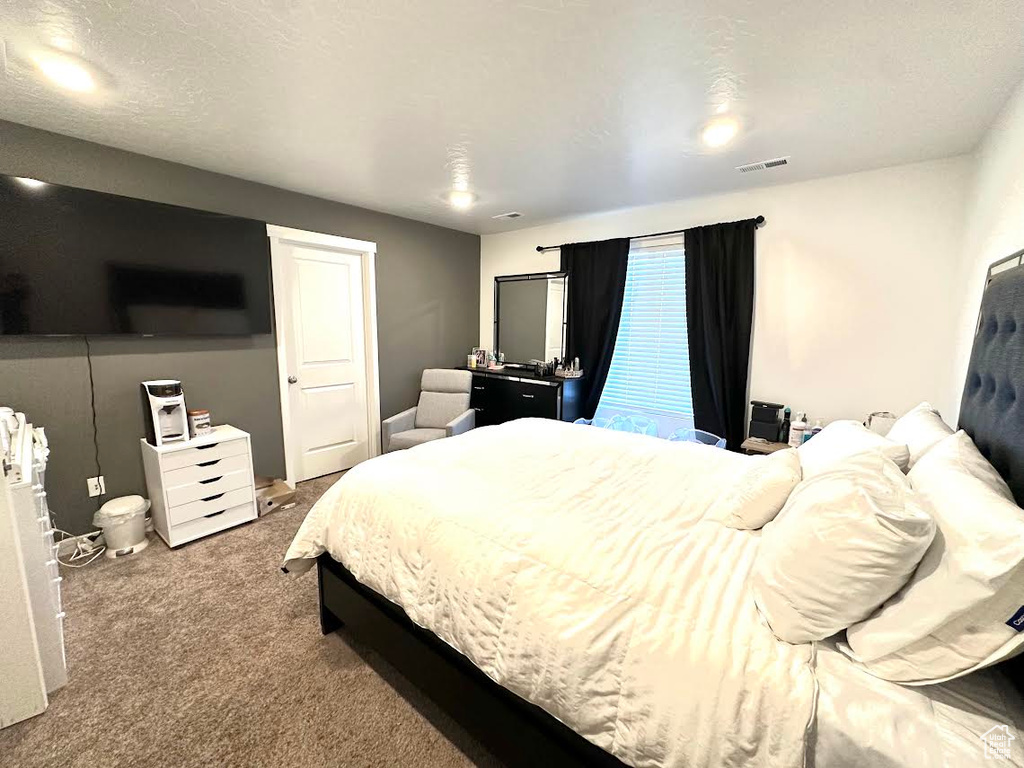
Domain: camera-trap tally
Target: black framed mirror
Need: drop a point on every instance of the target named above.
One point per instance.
(530, 316)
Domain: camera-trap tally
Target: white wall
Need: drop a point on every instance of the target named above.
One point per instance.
(995, 221)
(856, 303)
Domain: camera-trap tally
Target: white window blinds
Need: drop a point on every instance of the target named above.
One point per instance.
(650, 369)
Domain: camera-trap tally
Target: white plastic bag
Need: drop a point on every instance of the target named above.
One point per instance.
(119, 511)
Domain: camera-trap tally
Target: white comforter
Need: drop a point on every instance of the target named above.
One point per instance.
(572, 566)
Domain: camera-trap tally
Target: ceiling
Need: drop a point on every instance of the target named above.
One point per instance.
(548, 107)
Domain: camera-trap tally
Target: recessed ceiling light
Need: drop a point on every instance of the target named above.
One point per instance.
(30, 183)
(65, 71)
(719, 132)
(461, 199)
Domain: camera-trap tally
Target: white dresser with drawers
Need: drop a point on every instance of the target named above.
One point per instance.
(32, 662)
(201, 486)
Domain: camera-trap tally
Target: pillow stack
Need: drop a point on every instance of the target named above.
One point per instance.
(964, 607)
(844, 439)
(924, 571)
(845, 542)
(920, 430)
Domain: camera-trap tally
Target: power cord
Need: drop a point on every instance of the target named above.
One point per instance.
(95, 427)
(84, 549)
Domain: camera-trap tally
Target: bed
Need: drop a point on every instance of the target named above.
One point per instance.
(562, 592)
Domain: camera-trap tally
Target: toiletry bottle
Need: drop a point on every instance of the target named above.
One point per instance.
(818, 426)
(784, 429)
(807, 428)
(796, 431)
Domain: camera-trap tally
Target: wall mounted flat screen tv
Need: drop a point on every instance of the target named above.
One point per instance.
(74, 261)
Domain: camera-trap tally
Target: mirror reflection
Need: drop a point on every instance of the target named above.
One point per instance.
(529, 316)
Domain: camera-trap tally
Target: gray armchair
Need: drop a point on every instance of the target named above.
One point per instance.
(443, 411)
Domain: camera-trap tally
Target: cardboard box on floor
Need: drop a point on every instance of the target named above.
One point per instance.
(272, 493)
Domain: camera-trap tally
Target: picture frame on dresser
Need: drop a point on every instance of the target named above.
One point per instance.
(202, 486)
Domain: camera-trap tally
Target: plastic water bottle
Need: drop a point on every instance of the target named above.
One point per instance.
(815, 429)
(797, 430)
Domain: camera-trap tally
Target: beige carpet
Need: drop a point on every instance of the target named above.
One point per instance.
(209, 656)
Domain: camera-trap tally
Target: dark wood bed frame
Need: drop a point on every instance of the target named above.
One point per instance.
(515, 731)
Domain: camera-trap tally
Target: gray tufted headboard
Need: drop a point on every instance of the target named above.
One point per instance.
(992, 410)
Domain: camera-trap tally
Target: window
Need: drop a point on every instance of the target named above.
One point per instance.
(650, 369)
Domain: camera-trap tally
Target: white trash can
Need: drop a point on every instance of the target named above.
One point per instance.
(123, 521)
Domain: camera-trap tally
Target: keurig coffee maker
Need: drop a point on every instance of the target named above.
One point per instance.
(163, 408)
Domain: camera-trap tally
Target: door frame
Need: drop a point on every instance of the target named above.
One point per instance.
(367, 253)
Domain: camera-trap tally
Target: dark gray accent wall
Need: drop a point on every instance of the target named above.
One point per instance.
(428, 308)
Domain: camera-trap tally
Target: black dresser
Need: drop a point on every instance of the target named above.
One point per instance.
(500, 396)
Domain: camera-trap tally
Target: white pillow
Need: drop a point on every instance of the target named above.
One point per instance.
(843, 439)
(961, 611)
(844, 543)
(759, 493)
(921, 429)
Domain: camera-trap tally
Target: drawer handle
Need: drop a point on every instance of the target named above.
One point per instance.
(205, 447)
(214, 514)
(211, 480)
(529, 396)
(212, 498)
(207, 463)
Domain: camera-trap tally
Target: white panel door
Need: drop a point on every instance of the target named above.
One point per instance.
(326, 360)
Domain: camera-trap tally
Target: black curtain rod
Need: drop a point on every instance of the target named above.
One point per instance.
(541, 248)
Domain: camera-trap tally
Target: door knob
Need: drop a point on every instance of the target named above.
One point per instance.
(293, 379)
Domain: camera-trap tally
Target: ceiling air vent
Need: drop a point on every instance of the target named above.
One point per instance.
(763, 165)
(509, 215)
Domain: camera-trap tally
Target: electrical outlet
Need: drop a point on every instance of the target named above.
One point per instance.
(96, 486)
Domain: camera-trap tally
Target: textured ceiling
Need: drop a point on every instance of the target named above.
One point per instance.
(549, 107)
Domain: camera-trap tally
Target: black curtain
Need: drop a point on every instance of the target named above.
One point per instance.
(719, 316)
(597, 280)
